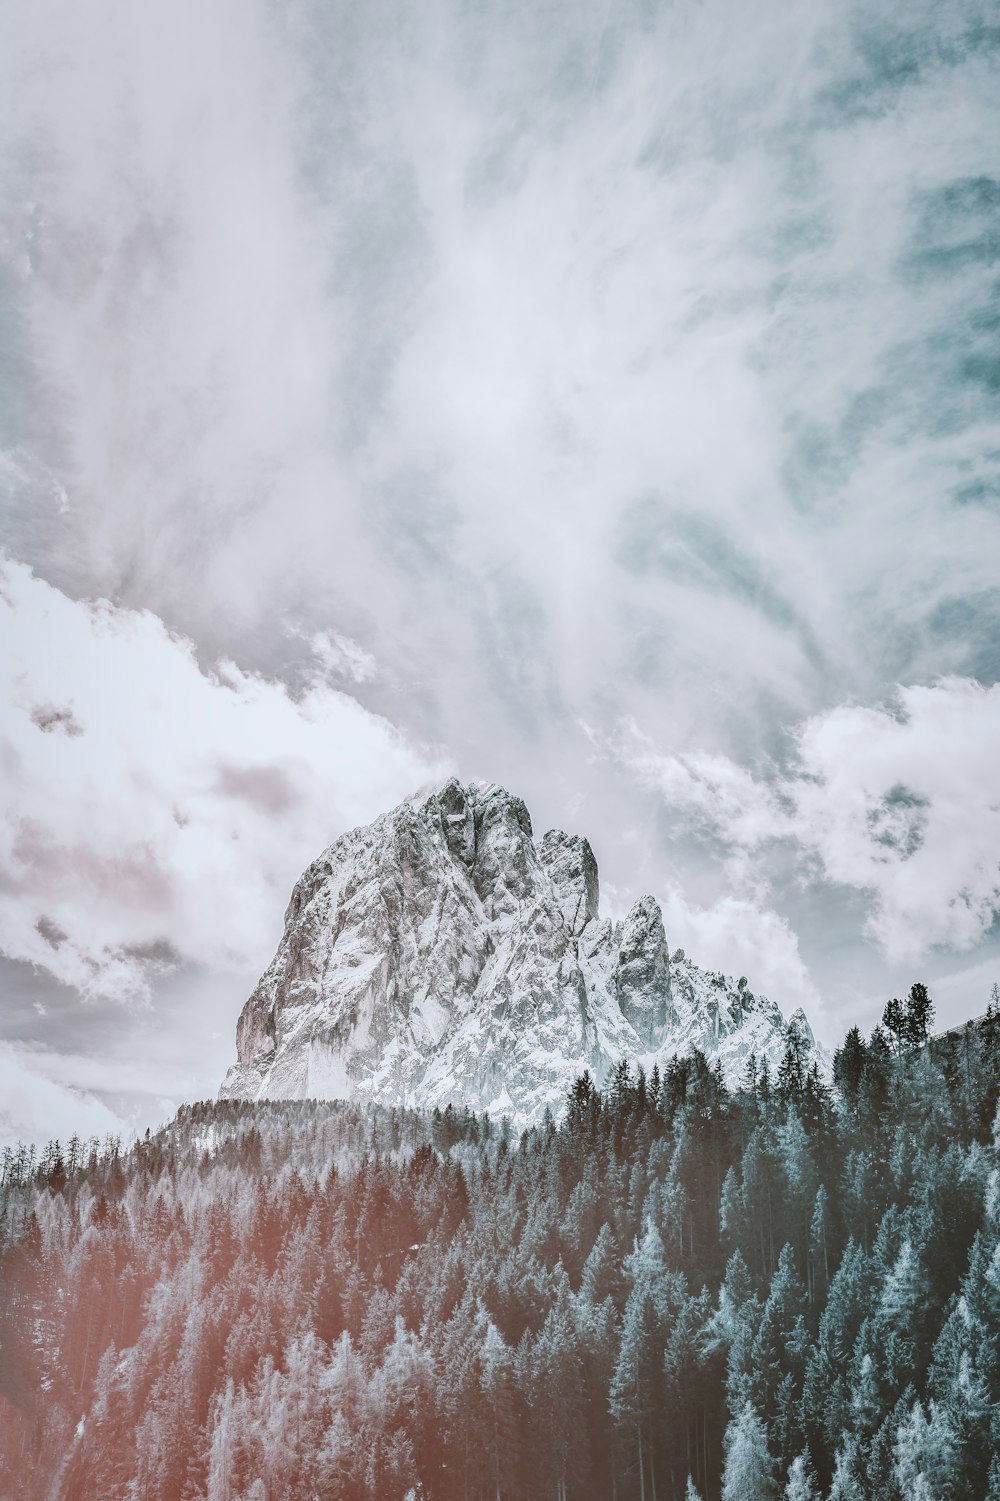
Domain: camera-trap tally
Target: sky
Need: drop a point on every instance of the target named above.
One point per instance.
(602, 399)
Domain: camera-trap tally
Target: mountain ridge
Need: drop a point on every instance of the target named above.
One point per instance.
(444, 954)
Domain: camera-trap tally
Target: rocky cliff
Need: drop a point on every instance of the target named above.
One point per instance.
(443, 954)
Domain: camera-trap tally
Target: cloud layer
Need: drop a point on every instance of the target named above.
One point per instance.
(487, 377)
(35, 1107)
(901, 802)
(562, 356)
(153, 812)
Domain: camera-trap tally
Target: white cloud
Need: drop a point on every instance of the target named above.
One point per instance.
(34, 1107)
(538, 363)
(899, 801)
(906, 805)
(712, 789)
(740, 937)
(171, 821)
(562, 357)
(341, 658)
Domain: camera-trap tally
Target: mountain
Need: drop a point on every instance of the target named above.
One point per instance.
(444, 954)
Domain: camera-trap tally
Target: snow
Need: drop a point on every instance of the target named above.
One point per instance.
(442, 954)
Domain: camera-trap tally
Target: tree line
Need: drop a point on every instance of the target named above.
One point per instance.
(675, 1291)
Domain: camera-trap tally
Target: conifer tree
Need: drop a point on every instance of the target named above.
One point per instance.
(637, 1384)
(749, 1469)
(801, 1480)
(993, 1488)
(845, 1485)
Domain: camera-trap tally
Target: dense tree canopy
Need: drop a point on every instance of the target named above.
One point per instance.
(679, 1291)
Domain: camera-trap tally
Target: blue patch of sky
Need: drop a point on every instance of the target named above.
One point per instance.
(895, 48)
(971, 624)
(690, 548)
(899, 822)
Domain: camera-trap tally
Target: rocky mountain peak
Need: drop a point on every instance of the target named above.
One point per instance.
(442, 954)
(569, 863)
(643, 972)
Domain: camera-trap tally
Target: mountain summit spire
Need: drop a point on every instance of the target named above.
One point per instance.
(444, 954)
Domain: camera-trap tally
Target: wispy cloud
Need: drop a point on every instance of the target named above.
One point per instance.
(405, 324)
(535, 365)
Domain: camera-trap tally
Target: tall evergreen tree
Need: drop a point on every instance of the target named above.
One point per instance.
(749, 1469)
(801, 1480)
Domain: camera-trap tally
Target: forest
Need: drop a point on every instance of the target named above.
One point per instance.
(788, 1291)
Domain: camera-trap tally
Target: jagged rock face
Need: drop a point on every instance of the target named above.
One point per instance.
(442, 954)
(642, 974)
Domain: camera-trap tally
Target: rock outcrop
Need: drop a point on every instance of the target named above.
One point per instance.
(443, 954)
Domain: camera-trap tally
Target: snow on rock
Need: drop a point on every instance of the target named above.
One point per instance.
(443, 954)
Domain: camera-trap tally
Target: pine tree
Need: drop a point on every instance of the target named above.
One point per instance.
(961, 1409)
(845, 1485)
(801, 1480)
(498, 1386)
(849, 1068)
(601, 1277)
(819, 1248)
(636, 1386)
(801, 1177)
(896, 1324)
(919, 1015)
(918, 1455)
(880, 1453)
(894, 1020)
(791, 1077)
(558, 1381)
(749, 1469)
(777, 1356)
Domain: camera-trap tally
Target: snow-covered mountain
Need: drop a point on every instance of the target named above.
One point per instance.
(443, 954)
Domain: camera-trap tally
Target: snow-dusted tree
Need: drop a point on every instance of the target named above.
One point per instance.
(819, 1248)
(601, 1275)
(959, 1382)
(777, 1355)
(845, 1485)
(556, 1376)
(926, 1455)
(220, 1464)
(866, 1403)
(497, 1365)
(638, 1380)
(826, 1394)
(897, 1320)
(801, 1481)
(749, 1468)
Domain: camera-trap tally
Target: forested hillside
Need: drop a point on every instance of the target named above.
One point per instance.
(677, 1291)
